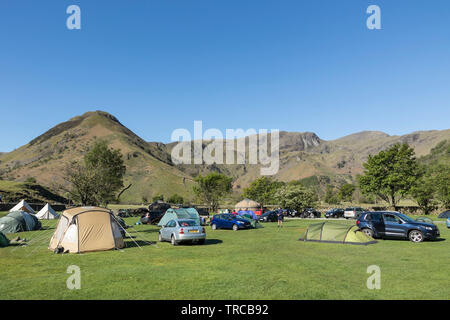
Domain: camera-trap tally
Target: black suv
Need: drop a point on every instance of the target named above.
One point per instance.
(335, 213)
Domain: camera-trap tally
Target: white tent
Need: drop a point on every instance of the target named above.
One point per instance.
(23, 206)
(47, 213)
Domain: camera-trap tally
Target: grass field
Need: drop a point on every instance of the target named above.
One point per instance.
(267, 263)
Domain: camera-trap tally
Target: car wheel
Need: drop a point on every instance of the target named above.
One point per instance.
(213, 226)
(173, 241)
(235, 227)
(415, 236)
(160, 239)
(368, 232)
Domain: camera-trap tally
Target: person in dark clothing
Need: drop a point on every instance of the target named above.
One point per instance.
(280, 218)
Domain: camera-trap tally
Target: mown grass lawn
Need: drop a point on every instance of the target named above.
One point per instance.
(265, 263)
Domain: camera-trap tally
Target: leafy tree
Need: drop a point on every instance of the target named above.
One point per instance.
(175, 198)
(390, 174)
(423, 192)
(441, 174)
(212, 188)
(158, 197)
(262, 190)
(346, 192)
(296, 197)
(96, 178)
(330, 196)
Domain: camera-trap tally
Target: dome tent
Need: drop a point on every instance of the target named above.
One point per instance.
(22, 206)
(18, 221)
(85, 229)
(247, 204)
(336, 233)
(181, 213)
(4, 242)
(47, 213)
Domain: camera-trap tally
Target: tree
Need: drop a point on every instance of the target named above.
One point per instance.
(262, 190)
(390, 174)
(296, 197)
(158, 197)
(176, 199)
(423, 192)
(96, 179)
(346, 192)
(441, 174)
(330, 196)
(212, 188)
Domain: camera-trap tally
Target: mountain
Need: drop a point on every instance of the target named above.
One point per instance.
(150, 170)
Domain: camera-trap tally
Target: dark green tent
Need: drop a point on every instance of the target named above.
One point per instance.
(18, 221)
(4, 242)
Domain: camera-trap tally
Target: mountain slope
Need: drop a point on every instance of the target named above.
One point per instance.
(303, 155)
(149, 168)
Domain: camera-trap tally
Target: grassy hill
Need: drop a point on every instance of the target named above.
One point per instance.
(303, 156)
(148, 166)
(12, 191)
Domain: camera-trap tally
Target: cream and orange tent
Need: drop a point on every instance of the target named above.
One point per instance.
(23, 206)
(86, 229)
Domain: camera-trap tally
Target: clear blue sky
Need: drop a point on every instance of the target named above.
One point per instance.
(158, 65)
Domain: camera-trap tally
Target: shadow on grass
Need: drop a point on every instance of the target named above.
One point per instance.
(138, 243)
(208, 242)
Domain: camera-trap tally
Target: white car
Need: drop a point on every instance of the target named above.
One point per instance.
(353, 212)
(182, 230)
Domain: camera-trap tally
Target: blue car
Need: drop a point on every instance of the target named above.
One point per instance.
(229, 221)
(381, 224)
(448, 222)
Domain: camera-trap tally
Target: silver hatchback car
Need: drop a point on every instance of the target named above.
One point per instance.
(182, 230)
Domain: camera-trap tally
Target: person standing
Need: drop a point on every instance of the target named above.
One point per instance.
(280, 218)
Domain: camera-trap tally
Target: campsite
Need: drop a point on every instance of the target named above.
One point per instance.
(265, 263)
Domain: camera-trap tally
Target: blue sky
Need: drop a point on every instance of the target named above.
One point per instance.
(158, 65)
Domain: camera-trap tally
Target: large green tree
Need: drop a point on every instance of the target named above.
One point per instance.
(346, 192)
(296, 197)
(212, 188)
(330, 195)
(424, 192)
(441, 175)
(262, 190)
(390, 174)
(98, 177)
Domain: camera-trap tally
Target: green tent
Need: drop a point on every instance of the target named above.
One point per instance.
(336, 233)
(193, 213)
(254, 223)
(18, 221)
(181, 213)
(4, 242)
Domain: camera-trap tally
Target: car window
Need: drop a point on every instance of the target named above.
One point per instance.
(375, 216)
(391, 218)
(170, 224)
(187, 223)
